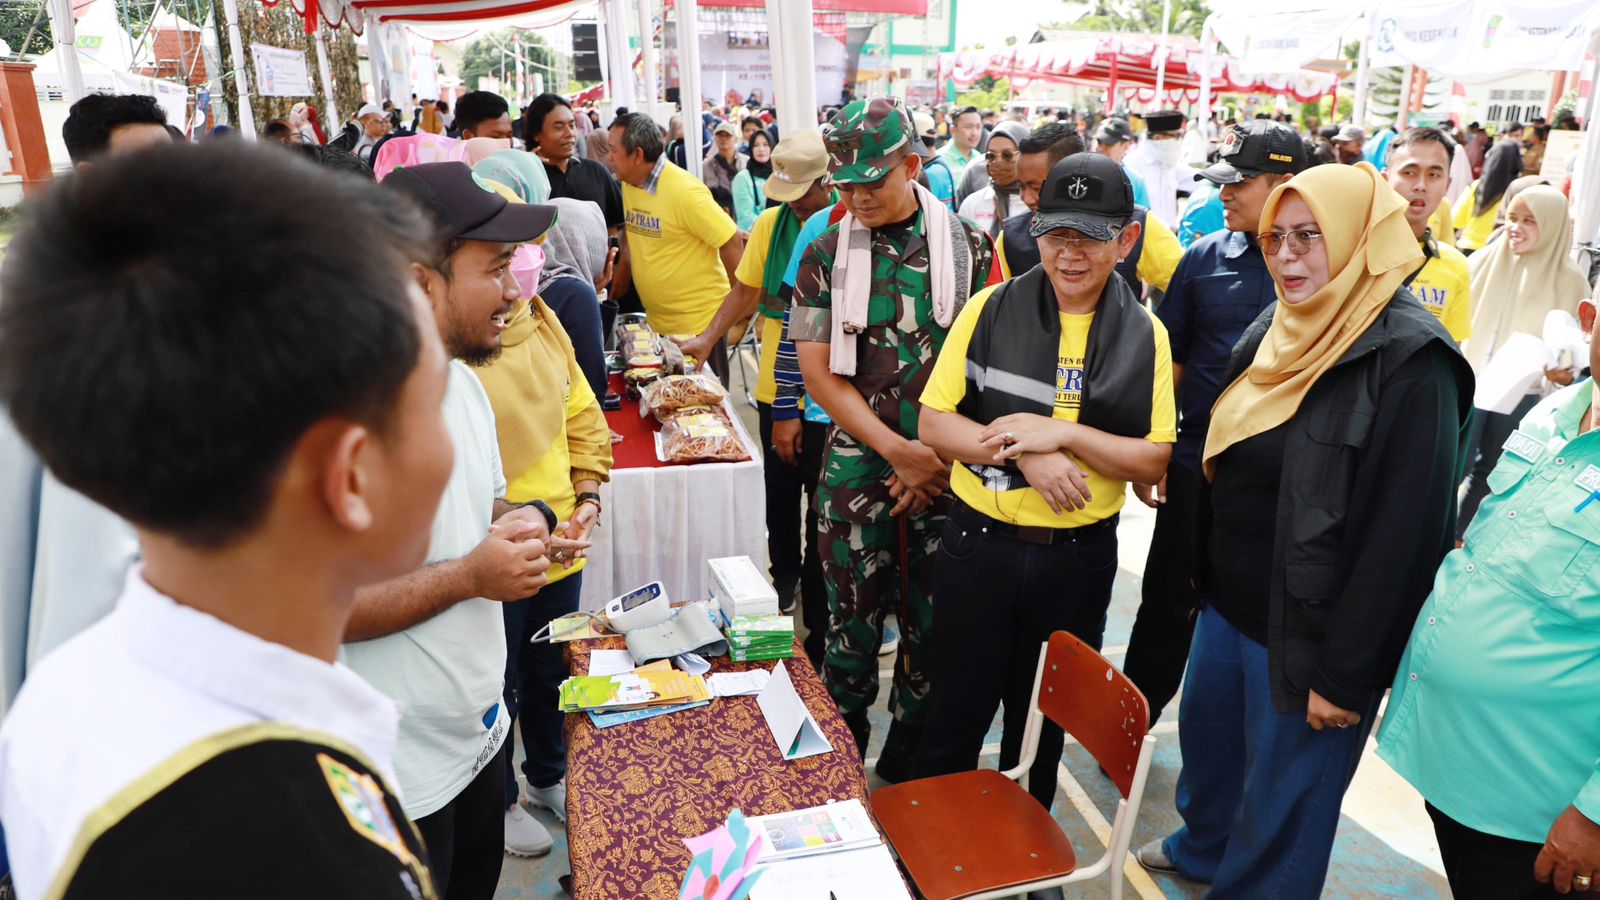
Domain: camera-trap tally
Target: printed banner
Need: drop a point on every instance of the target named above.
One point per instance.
(1284, 42)
(1484, 36)
(281, 73)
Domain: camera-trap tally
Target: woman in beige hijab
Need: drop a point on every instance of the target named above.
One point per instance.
(1328, 503)
(1517, 280)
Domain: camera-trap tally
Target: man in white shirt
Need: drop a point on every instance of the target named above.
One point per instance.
(273, 454)
(434, 639)
(1158, 160)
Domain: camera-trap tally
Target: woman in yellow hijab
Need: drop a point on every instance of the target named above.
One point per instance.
(1330, 466)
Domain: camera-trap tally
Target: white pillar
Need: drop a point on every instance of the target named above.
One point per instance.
(689, 79)
(794, 68)
(1207, 40)
(651, 81)
(64, 32)
(375, 65)
(1161, 70)
(802, 65)
(330, 115)
(1358, 103)
(619, 59)
(1586, 175)
(241, 66)
(777, 53)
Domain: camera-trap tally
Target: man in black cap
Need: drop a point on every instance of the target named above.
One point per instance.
(1221, 284)
(1159, 161)
(1114, 139)
(1052, 391)
(434, 639)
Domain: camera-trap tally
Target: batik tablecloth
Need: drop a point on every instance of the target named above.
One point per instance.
(635, 791)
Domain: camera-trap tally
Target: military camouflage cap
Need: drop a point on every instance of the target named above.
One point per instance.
(866, 139)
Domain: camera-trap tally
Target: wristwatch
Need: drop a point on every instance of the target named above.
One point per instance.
(590, 497)
(545, 510)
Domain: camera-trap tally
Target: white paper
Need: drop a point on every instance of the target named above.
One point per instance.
(738, 684)
(868, 873)
(693, 663)
(1562, 332)
(791, 724)
(1512, 372)
(610, 662)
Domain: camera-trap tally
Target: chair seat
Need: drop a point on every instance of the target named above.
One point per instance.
(971, 832)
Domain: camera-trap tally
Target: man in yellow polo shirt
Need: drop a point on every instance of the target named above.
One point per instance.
(1419, 170)
(1052, 392)
(799, 164)
(681, 246)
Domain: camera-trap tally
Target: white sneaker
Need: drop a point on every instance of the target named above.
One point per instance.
(525, 835)
(553, 798)
(1153, 856)
(891, 640)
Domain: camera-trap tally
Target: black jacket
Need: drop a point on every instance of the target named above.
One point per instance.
(1366, 507)
(348, 138)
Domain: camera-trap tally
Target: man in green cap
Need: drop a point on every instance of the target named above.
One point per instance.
(873, 301)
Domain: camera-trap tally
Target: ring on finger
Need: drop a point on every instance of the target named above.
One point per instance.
(1581, 882)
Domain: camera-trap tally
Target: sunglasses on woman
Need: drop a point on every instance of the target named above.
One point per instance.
(1300, 241)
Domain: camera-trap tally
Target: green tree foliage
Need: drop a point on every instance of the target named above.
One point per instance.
(1188, 17)
(484, 56)
(17, 18)
(987, 93)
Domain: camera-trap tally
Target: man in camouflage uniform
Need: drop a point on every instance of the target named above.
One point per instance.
(883, 492)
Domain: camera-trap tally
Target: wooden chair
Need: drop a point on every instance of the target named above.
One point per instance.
(980, 834)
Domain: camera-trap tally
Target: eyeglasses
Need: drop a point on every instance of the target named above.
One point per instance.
(1300, 241)
(1059, 242)
(1003, 155)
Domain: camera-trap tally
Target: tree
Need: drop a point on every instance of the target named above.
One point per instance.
(15, 21)
(1188, 16)
(485, 55)
(987, 93)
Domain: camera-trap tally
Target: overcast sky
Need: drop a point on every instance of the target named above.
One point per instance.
(990, 22)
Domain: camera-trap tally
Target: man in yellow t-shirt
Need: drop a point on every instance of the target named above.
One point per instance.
(792, 465)
(1051, 393)
(681, 246)
(1419, 171)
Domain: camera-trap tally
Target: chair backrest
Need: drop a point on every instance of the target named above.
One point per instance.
(1095, 703)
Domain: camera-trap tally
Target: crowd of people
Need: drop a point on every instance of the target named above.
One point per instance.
(304, 500)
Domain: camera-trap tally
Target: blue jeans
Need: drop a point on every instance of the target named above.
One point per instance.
(1260, 790)
(534, 673)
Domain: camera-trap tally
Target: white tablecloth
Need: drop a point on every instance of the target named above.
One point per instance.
(664, 523)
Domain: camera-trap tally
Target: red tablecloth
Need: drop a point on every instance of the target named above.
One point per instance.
(635, 791)
(638, 447)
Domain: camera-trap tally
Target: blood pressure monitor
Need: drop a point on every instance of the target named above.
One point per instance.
(639, 608)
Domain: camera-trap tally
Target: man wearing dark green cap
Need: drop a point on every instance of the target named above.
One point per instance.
(875, 296)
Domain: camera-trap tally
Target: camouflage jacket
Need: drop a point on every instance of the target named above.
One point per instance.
(895, 353)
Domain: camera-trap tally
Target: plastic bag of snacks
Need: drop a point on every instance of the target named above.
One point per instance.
(701, 436)
(635, 380)
(674, 392)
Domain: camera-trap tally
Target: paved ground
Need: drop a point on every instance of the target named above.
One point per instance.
(1385, 846)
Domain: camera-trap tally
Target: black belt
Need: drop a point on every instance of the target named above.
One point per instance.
(1032, 534)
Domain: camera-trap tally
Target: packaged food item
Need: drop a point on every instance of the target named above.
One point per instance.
(674, 392)
(635, 379)
(701, 437)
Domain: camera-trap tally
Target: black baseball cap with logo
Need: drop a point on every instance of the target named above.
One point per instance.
(1113, 131)
(467, 207)
(1257, 147)
(1087, 192)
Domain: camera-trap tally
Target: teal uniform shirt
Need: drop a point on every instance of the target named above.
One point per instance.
(1495, 714)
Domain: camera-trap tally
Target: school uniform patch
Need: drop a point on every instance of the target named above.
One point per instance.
(362, 801)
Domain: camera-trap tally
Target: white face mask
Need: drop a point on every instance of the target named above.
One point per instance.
(1164, 152)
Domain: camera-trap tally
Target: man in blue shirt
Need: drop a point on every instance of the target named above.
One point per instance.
(1220, 286)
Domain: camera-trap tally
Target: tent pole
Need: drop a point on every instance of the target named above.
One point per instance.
(800, 58)
(64, 31)
(241, 65)
(1358, 103)
(330, 115)
(1207, 38)
(647, 43)
(689, 77)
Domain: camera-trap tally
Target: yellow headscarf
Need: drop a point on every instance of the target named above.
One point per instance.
(1513, 292)
(1370, 249)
